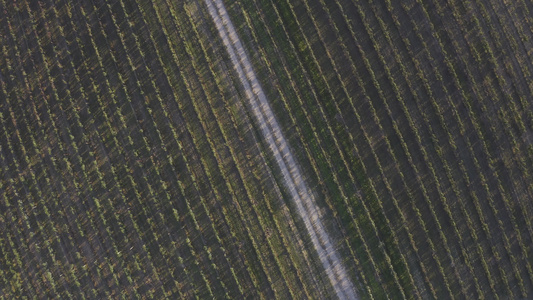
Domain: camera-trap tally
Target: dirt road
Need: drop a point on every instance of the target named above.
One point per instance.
(271, 131)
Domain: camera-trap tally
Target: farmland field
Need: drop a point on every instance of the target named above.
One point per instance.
(266, 149)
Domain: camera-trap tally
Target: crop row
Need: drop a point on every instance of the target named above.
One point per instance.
(396, 73)
(113, 124)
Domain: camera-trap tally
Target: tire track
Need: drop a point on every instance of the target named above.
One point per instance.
(302, 197)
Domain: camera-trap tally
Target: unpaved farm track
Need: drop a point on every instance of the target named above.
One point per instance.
(300, 194)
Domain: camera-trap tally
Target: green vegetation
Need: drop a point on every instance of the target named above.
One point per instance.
(132, 165)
